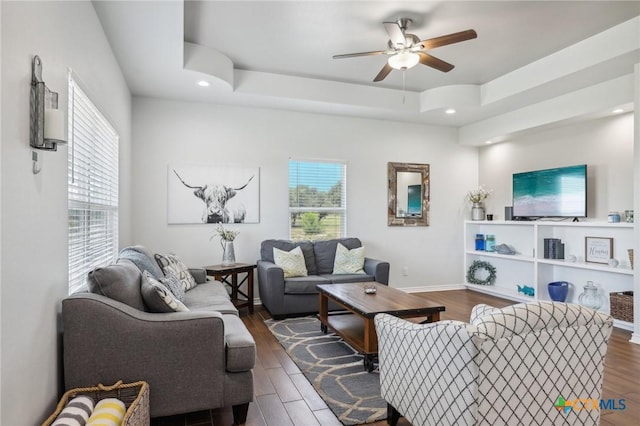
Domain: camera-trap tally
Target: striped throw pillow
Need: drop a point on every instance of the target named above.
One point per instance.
(76, 412)
(108, 412)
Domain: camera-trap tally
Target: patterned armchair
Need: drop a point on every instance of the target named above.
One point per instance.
(538, 363)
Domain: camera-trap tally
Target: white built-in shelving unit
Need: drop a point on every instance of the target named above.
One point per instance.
(529, 267)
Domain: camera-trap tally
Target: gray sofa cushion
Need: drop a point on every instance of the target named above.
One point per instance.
(199, 274)
(304, 285)
(210, 296)
(120, 281)
(348, 278)
(266, 252)
(325, 252)
(241, 348)
(143, 259)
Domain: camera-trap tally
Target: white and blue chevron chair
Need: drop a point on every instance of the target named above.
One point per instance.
(524, 364)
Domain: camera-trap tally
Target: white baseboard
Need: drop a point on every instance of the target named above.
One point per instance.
(635, 338)
(425, 289)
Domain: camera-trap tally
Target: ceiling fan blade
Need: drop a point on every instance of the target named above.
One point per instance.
(384, 72)
(395, 33)
(444, 40)
(353, 55)
(433, 62)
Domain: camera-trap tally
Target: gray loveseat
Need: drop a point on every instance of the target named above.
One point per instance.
(298, 295)
(194, 360)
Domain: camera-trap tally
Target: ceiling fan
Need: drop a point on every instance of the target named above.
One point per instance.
(406, 50)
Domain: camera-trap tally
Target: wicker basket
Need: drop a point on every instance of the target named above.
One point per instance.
(622, 305)
(134, 395)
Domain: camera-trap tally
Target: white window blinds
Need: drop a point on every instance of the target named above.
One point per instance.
(317, 199)
(92, 188)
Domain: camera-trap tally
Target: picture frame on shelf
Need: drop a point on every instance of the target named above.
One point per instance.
(598, 249)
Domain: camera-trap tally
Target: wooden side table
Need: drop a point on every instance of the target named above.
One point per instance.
(222, 274)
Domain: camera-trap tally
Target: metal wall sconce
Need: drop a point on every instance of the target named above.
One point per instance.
(47, 121)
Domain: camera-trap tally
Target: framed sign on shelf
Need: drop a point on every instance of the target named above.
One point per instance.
(598, 249)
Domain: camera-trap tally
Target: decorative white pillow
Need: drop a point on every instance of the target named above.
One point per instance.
(172, 263)
(157, 297)
(348, 261)
(291, 262)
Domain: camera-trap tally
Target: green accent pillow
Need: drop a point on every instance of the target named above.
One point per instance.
(291, 262)
(348, 261)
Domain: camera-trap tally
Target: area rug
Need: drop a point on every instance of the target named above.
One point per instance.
(334, 369)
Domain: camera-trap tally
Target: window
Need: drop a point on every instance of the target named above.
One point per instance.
(317, 200)
(92, 188)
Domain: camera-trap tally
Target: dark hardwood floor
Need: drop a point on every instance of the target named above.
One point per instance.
(284, 397)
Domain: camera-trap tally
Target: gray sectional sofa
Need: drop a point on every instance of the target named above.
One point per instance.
(193, 360)
(298, 295)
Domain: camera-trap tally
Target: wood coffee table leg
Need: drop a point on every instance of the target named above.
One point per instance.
(369, 363)
(323, 312)
(370, 344)
(370, 337)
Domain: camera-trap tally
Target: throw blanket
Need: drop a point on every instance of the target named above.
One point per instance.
(108, 412)
(75, 413)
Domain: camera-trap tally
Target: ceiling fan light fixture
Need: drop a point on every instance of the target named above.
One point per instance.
(404, 60)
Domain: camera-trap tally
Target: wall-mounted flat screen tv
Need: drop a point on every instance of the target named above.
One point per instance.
(559, 192)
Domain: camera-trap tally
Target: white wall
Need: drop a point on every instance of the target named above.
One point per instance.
(605, 145)
(166, 132)
(34, 207)
(635, 337)
(0, 211)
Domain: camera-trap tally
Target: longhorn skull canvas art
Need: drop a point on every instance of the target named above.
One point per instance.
(213, 195)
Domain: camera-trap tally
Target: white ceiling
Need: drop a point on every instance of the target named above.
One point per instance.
(279, 54)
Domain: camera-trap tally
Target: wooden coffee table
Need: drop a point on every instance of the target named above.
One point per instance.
(356, 326)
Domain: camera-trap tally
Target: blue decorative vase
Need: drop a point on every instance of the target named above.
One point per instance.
(558, 290)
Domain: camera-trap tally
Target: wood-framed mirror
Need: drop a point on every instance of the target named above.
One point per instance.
(408, 200)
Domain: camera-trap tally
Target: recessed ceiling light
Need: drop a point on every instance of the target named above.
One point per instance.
(204, 83)
(488, 142)
(617, 111)
(450, 111)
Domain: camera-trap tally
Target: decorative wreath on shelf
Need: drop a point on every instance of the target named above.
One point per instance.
(477, 265)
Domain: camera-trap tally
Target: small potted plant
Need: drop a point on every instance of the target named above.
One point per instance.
(226, 241)
(477, 197)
